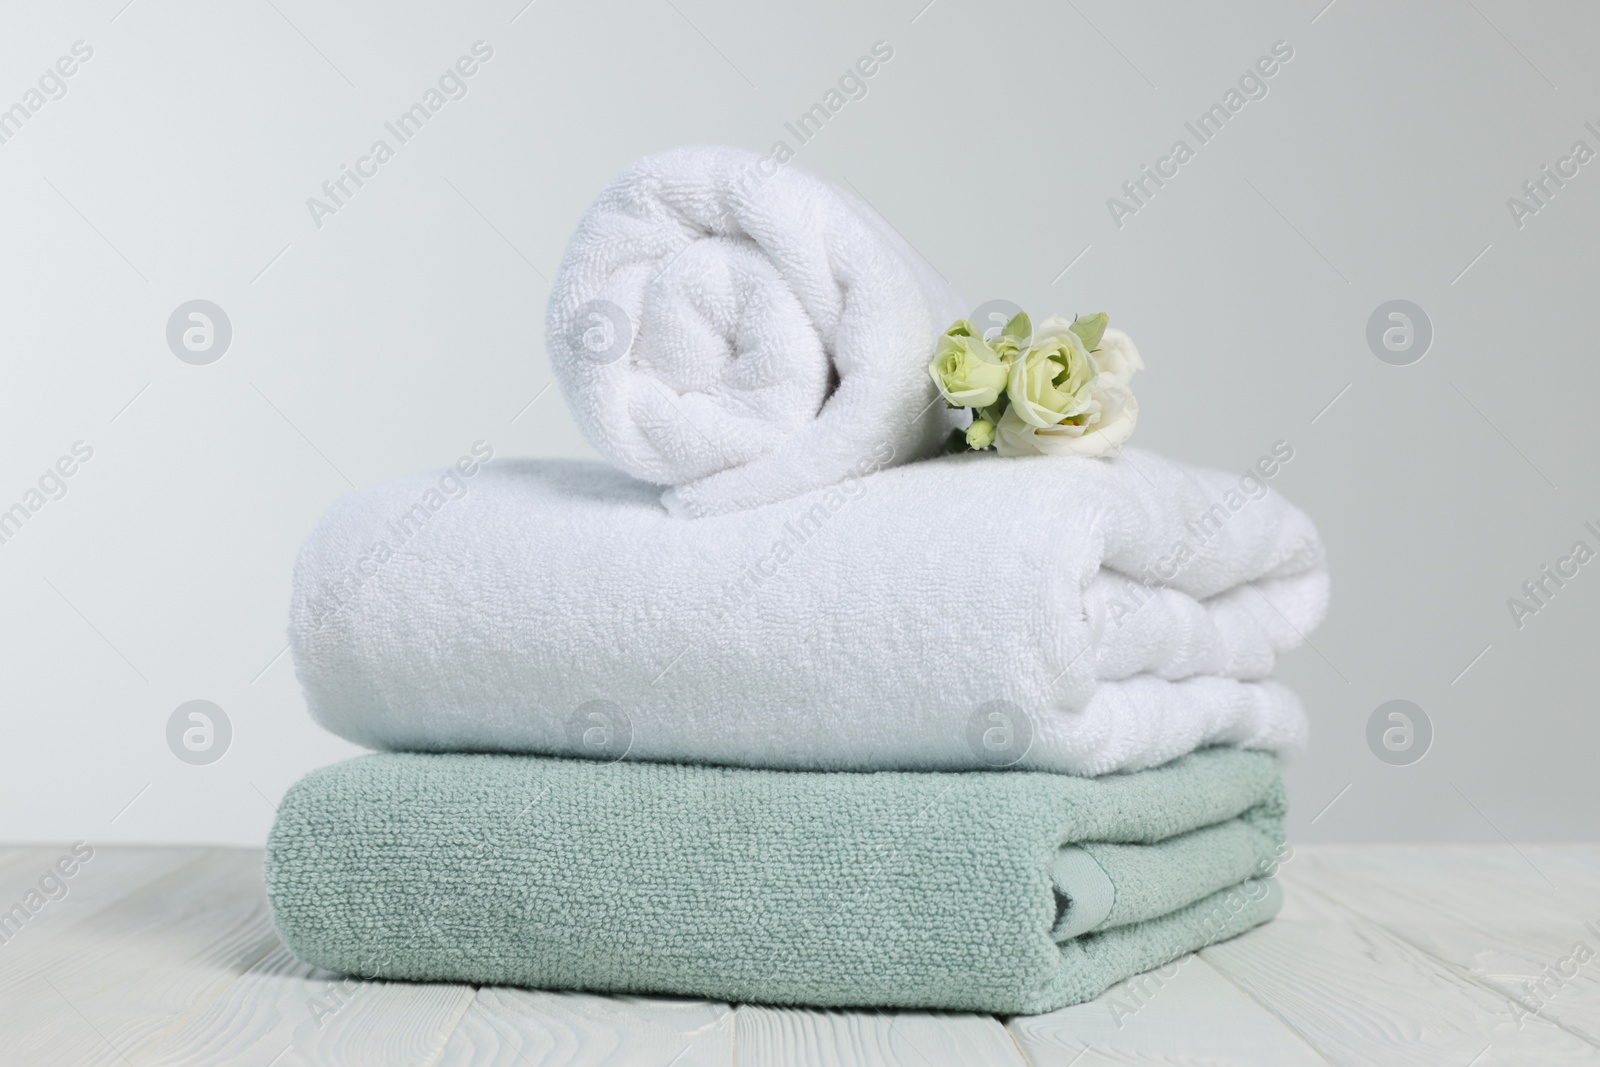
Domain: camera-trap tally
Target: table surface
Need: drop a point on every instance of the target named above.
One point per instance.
(1469, 956)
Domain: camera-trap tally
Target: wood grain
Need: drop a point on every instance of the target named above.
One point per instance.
(1364, 998)
(109, 876)
(1489, 913)
(281, 1012)
(782, 1036)
(516, 1027)
(1169, 1016)
(185, 968)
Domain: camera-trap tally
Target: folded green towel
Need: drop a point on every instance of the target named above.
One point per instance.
(1006, 892)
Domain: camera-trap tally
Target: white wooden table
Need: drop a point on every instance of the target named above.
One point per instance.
(1383, 955)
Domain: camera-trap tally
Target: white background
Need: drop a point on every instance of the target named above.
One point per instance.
(409, 325)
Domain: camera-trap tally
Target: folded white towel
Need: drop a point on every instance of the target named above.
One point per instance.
(1129, 607)
(744, 331)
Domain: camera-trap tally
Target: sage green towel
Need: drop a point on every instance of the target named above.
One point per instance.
(1007, 892)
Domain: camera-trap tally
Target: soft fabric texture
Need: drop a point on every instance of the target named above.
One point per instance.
(874, 625)
(780, 331)
(889, 889)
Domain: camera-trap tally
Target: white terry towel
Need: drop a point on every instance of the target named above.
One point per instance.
(1130, 608)
(743, 331)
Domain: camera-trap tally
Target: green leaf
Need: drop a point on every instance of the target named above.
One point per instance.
(1020, 326)
(1090, 329)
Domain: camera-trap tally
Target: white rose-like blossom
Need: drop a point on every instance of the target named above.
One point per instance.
(1117, 356)
(1103, 425)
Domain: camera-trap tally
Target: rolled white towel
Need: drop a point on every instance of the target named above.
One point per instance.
(744, 332)
(1129, 609)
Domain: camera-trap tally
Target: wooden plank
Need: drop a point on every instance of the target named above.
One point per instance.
(1364, 998)
(20, 872)
(287, 1014)
(505, 1027)
(11, 855)
(1184, 1013)
(111, 874)
(1490, 914)
(1573, 867)
(187, 970)
(775, 1036)
(112, 982)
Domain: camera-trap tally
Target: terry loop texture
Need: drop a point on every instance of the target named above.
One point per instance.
(780, 331)
(895, 890)
(866, 626)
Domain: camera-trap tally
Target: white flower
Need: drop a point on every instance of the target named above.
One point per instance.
(968, 372)
(1051, 380)
(1117, 356)
(1096, 428)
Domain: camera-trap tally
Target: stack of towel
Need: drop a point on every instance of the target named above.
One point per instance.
(825, 720)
